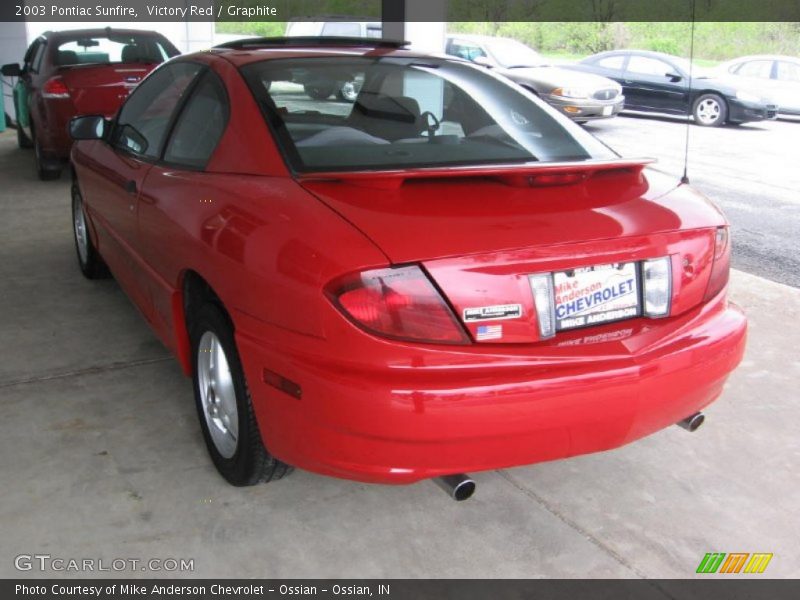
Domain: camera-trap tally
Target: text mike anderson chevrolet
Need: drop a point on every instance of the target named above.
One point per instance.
(151, 10)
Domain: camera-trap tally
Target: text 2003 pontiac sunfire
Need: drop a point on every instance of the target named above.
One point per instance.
(442, 277)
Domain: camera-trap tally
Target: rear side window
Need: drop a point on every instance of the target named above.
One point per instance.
(613, 63)
(755, 68)
(38, 55)
(644, 65)
(144, 119)
(788, 71)
(200, 124)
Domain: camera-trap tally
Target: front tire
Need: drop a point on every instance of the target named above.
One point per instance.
(224, 406)
(89, 261)
(710, 110)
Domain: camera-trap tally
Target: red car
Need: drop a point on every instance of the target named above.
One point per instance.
(68, 73)
(444, 276)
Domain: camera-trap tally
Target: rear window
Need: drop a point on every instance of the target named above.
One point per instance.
(139, 49)
(408, 112)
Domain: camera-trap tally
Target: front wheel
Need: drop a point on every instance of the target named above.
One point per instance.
(710, 110)
(224, 405)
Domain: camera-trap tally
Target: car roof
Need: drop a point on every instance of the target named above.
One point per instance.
(96, 32)
(648, 53)
(763, 57)
(243, 52)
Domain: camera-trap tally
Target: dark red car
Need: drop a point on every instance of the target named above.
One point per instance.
(444, 276)
(69, 73)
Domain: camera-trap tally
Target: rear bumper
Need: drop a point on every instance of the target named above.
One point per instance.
(449, 411)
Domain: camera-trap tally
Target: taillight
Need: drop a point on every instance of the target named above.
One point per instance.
(657, 286)
(721, 269)
(399, 303)
(545, 304)
(55, 88)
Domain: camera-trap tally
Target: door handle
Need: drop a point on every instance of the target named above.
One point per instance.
(130, 186)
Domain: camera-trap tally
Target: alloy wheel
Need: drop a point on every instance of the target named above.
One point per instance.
(217, 394)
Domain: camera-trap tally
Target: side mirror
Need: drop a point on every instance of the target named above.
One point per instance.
(483, 61)
(91, 127)
(11, 70)
(673, 77)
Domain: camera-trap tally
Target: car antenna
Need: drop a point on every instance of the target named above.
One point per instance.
(685, 178)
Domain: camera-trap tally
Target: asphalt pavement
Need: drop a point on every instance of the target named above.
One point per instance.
(751, 171)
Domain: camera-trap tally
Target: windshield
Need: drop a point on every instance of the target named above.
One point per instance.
(511, 53)
(408, 112)
(117, 48)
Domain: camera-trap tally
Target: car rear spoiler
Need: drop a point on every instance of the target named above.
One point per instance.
(517, 175)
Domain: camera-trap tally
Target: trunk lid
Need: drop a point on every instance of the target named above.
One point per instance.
(480, 234)
(101, 89)
(437, 213)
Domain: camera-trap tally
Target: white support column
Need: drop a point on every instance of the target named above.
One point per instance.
(423, 23)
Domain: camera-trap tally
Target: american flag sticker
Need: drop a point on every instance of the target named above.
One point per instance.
(489, 332)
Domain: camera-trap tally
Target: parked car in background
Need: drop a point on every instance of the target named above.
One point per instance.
(322, 89)
(778, 76)
(69, 73)
(659, 83)
(582, 97)
(448, 276)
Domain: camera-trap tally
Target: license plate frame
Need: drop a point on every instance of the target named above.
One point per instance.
(595, 295)
(607, 110)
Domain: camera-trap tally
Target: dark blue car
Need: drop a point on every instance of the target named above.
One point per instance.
(660, 83)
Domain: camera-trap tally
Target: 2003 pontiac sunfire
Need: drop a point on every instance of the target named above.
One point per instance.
(444, 276)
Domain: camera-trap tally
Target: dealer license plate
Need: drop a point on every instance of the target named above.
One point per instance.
(596, 295)
(607, 110)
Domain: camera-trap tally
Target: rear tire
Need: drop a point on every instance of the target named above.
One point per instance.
(223, 403)
(710, 110)
(89, 261)
(45, 171)
(319, 91)
(23, 141)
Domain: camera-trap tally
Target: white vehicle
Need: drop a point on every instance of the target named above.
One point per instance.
(335, 28)
(346, 91)
(778, 76)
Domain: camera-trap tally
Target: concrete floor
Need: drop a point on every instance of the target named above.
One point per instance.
(102, 455)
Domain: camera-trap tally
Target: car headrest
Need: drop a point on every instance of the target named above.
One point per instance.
(402, 109)
(131, 53)
(67, 57)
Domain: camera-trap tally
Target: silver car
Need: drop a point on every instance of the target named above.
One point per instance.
(778, 77)
(580, 96)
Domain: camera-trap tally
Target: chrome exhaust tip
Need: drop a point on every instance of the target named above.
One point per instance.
(692, 423)
(459, 487)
